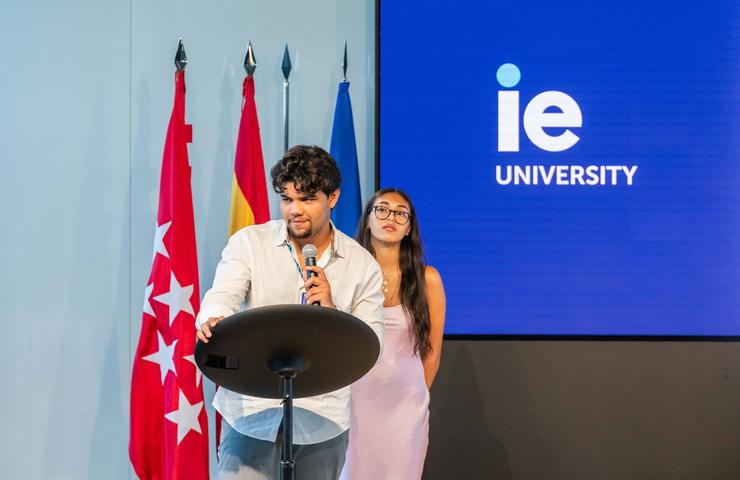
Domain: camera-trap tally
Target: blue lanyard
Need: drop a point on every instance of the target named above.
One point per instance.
(295, 261)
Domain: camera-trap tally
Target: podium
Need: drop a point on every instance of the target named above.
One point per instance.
(287, 352)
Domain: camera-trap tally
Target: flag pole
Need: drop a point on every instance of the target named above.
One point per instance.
(168, 422)
(249, 204)
(286, 67)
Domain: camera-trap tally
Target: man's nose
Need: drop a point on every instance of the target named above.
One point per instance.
(296, 209)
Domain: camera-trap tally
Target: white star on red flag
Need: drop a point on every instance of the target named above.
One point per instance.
(178, 298)
(198, 374)
(164, 357)
(148, 300)
(186, 417)
(159, 246)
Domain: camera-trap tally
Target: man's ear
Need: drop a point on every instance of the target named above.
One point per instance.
(333, 198)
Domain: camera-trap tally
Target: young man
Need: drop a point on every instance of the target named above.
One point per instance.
(263, 265)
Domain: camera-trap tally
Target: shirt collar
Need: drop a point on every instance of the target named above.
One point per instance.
(281, 234)
(337, 241)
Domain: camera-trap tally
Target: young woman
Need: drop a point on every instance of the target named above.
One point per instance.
(390, 415)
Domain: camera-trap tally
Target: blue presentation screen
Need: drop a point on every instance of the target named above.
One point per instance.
(575, 165)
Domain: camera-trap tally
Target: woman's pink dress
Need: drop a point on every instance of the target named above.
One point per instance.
(389, 429)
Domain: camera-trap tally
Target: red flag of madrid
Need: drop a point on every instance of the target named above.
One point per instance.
(169, 427)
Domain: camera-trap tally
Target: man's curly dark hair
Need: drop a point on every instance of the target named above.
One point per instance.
(310, 168)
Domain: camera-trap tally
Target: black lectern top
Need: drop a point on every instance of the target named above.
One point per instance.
(327, 349)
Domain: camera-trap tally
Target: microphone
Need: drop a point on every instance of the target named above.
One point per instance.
(309, 254)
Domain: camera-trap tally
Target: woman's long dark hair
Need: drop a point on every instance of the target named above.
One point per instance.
(412, 266)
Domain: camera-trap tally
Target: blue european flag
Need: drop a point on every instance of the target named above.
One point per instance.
(344, 150)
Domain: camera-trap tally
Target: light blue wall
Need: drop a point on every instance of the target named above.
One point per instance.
(86, 91)
(65, 256)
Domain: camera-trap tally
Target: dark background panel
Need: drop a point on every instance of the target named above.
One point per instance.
(591, 410)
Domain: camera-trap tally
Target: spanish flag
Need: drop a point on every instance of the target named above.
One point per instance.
(248, 189)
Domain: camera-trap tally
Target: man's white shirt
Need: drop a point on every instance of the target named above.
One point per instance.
(259, 267)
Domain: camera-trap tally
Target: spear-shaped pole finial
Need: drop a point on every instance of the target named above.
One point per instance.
(344, 62)
(181, 60)
(250, 64)
(287, 66)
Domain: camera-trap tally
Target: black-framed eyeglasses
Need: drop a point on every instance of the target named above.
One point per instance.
(382, 212)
